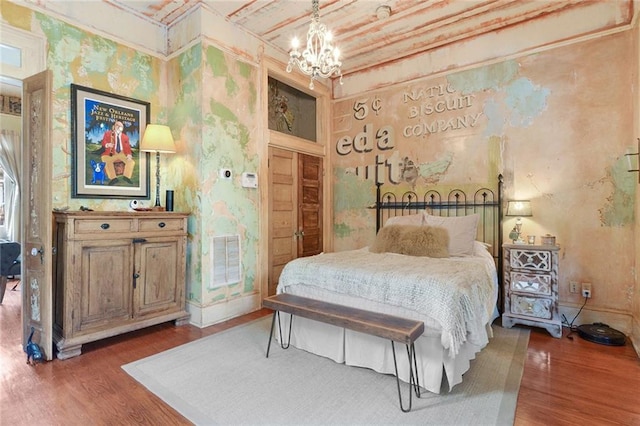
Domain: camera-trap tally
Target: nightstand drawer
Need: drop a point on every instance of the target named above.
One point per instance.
(531, 283)
(533, 260)
(536, 307)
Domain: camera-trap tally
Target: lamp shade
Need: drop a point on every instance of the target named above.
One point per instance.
(157, 138)
(519, 208)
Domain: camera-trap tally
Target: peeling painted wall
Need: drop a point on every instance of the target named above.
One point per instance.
(77, 56)
(557, 125)
(209, 99)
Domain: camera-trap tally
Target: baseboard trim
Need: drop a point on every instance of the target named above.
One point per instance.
(620, 321)
(204, 316)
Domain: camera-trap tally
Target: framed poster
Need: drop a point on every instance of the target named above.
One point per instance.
(105, 144)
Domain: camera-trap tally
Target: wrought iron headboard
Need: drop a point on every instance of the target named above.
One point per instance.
(484, 201)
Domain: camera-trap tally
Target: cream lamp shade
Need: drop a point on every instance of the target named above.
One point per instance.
(520, 208)
(157, 138)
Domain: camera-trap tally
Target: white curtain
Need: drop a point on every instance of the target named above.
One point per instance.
(10, 163)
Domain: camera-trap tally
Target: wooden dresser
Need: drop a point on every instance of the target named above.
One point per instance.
(116, 272)
(531, 287)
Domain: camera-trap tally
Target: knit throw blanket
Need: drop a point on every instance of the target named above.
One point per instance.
(456, 293)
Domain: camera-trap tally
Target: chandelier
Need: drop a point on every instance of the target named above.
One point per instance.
(319, 58)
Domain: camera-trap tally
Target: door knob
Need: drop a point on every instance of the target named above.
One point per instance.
(35, 252)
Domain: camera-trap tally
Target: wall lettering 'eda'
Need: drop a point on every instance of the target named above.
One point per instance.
(428, 110)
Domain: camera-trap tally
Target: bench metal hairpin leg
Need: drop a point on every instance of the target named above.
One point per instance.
(414, 382)
(273, 322)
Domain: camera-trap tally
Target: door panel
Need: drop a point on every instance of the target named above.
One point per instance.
(36, 226)
(295, 209)
(158, 284)
(104, 284)
(310, 208)
(282, 213)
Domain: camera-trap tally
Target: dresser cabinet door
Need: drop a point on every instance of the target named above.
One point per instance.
(158, 275)
(104, 287)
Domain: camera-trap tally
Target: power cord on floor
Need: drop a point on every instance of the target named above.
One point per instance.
(570, 325)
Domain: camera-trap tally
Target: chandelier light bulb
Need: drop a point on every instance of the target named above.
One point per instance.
(319, 59)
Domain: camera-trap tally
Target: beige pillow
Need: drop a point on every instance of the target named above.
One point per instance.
(462, 232)
(411, 219)
(412, 240)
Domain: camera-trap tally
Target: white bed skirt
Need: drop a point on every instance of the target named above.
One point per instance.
(363, 350)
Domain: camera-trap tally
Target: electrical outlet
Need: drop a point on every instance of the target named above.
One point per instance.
(586, 290)
(573, 286)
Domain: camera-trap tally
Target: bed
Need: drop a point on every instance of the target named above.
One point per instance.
(435, 260)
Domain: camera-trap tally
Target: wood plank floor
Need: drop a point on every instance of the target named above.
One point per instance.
(566, 381)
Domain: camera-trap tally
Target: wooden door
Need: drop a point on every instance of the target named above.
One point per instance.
(36, 226)
(283, 221)
(295, 209)
(309, 205)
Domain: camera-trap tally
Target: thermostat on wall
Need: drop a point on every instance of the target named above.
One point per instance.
(225, 173)
(249, 180)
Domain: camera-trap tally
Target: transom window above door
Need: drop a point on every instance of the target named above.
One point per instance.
(291, 111)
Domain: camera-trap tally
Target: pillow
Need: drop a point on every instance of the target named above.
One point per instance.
(412, 240)
(481, 249)
(412, 219)
(462, 231)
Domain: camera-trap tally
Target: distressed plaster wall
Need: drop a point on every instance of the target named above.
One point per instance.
(208, 95)
(227, 93)
(556, 124)
(75, 55)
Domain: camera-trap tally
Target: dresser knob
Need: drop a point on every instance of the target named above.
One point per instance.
(162, 224)
(104, 226)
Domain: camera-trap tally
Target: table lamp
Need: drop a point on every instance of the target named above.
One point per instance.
(520, 209)
(157, 138)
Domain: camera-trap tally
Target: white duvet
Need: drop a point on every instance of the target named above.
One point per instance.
(456, 295)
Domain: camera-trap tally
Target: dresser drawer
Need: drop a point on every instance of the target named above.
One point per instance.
(536, 307)
(161, 224)
(103, 226)
(531, 283)
(536, 260)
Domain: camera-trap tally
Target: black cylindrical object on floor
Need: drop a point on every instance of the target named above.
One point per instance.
(169, 201)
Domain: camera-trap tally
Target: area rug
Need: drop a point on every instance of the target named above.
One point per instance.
(226, 379)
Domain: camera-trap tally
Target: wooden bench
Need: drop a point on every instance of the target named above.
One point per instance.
(395, 329)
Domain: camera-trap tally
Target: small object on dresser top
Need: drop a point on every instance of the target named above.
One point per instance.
(85, 209)
(548, 240)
